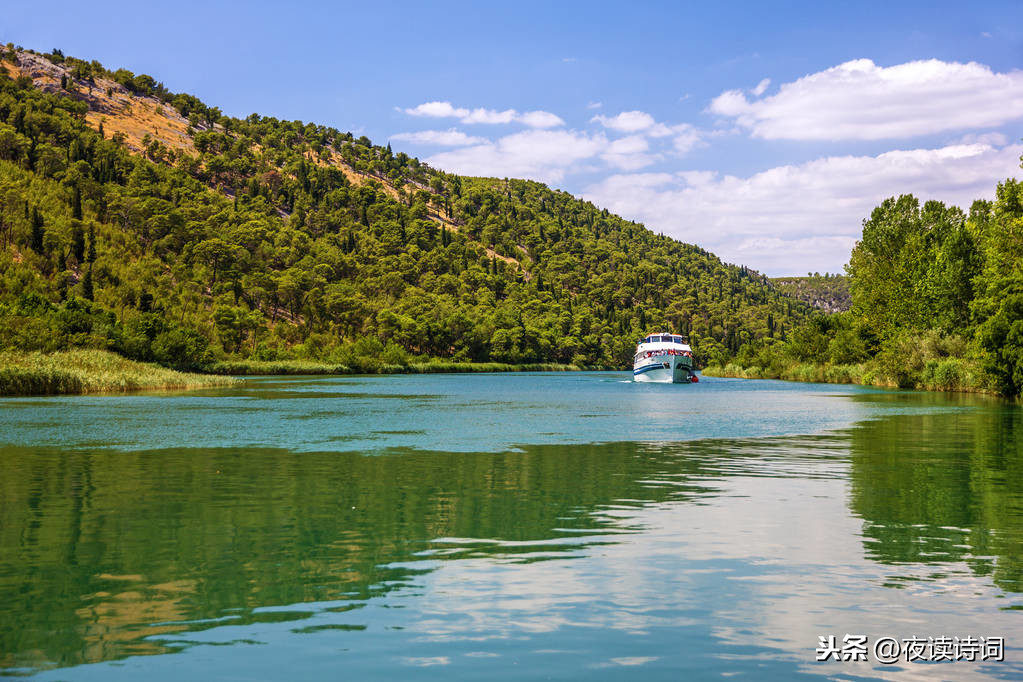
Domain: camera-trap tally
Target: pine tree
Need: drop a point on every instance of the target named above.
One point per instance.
(76, 204)
(87, 284)
(37, 231)
(78, 242)
(91, 256)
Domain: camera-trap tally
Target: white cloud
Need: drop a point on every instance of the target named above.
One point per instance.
(761, 87)
(790, 219)
(993, 139)
(687, 138)
(490, 116)
(541, 119)
(628, 153)
(594, 105)
(437, 110)
(442, 138)
(533, 119)
(545, 155)
(859, 100)
(626, 122)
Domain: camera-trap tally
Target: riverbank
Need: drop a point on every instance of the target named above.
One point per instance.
(96, 371)
(309, 367)
(92, 371)
(950, 375)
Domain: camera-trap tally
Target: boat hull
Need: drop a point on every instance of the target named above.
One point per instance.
(666, 369)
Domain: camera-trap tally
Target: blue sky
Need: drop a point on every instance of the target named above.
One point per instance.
(765, 134)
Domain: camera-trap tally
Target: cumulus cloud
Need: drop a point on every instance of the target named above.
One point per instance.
(859, 100)
(551, 155)
(541, 119)
(437, 110)
(545, 155)
(761, 87)
(629, 153)
(626, 122)
(792, 218)
(440, 138)
(533, 119)
(685, 136)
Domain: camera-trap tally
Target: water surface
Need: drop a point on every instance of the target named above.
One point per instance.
(554, 526)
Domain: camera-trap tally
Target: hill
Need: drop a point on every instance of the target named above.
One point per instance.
(827, 292)
(147, 222)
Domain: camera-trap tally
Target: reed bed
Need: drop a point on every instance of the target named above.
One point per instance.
(453, 367)
(949, 374)
(91, 371)
(275, 367)
(372, 366)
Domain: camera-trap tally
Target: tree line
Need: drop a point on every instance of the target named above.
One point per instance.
(937, 302)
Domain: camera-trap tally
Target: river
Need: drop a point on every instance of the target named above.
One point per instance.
(509, 526)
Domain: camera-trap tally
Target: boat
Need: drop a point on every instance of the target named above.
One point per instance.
(664, 358)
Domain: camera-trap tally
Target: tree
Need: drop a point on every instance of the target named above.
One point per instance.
(1001, 338)
(91, 256)
(215, 253)
(76, 203)
(87, 287)
(78, 241)
(37, 231)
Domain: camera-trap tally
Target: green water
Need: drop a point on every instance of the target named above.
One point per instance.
(522, 526)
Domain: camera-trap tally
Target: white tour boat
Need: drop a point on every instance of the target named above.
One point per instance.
(664, 358)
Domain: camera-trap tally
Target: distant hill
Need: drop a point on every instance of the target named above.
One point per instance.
(146, 221)
(826, 292)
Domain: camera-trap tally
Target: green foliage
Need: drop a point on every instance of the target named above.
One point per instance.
(1001, 338)
(914, 268)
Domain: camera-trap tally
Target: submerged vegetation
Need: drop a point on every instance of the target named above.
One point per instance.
(189, 238)
(91, 371)
(937, 303)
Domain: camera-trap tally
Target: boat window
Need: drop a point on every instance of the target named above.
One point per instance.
(666, 339)
(677, 339)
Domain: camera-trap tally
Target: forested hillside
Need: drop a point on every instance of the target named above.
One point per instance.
(143, 221)
(826, 292)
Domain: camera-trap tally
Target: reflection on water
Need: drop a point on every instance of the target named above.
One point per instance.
(612, 559)
(943, 487)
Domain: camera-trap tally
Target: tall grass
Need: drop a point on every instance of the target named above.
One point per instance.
(945, 374)
(444, 367)
(281, 367)
(376, 366)
(90, 371)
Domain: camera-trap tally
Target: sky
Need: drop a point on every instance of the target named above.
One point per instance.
(763, 132)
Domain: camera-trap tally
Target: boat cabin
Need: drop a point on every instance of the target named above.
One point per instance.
(665, 338)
